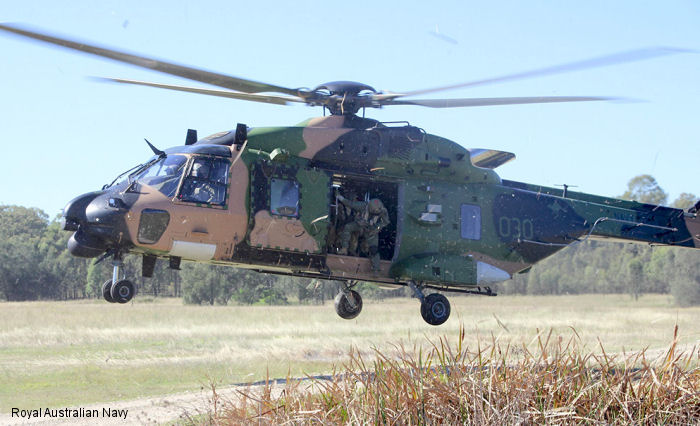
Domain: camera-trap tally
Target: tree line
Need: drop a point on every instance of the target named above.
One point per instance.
(35, 265)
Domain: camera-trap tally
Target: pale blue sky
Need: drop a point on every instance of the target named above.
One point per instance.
(63, 135)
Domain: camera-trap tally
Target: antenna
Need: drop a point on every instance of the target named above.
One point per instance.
(155, 150)
(566, 188)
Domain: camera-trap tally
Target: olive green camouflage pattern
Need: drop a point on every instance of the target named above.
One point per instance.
(266, 198)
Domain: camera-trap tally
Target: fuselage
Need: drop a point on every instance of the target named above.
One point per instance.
(269, 203)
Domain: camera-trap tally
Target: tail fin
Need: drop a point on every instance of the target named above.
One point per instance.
(695, 208)
(692, 222)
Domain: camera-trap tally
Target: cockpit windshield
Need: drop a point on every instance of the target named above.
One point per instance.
(164, 174)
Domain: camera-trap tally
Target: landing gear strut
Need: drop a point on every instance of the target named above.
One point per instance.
(434, 308)
(348, 302)
(118, 290)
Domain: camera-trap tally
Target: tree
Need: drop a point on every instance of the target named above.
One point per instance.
(21, 277)
(645, 189)
(684, 277)
(685, 201)
(68, 272)
(635, 269)
(208, 284)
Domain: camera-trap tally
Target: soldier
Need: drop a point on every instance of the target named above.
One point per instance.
(345, 216)
(199, 189)
(370, 218)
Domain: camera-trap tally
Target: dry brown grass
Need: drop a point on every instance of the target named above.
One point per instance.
(57, 354)
(558, 383)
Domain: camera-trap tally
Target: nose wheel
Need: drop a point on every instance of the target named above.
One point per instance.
(118, 290)
(123, 291)
(107, 291)
(348, 302)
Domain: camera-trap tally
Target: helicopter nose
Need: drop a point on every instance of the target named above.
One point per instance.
(98, 219)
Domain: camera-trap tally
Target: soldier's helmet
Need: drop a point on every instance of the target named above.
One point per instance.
(375, 206)
(200, 170)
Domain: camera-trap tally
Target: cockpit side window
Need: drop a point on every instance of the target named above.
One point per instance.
(206, 182)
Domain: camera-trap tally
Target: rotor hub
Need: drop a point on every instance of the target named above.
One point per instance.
(342, 97)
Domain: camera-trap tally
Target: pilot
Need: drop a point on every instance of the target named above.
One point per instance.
(202, 191)
(370, 218)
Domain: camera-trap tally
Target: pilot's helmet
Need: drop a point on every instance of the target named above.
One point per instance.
(200, 170)
(375, 205)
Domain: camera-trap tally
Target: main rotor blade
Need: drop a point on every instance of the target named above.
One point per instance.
(472, 102)
(600, 61)
(215, 79)
(279, 100)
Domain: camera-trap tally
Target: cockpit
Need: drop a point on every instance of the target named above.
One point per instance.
(184, 177)
(206, 181)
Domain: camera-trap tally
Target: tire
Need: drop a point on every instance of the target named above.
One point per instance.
(435, 309)
(343, 307)
(123, 291)
(107, 291)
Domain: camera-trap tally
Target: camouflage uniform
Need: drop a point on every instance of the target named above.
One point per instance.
(370, 218)
(346, 216)
(200, 190)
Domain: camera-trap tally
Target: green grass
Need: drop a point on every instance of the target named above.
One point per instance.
(71, 353)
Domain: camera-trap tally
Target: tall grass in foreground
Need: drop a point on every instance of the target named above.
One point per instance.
(494, 384)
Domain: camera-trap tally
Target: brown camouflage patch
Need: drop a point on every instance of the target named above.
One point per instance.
(356, 267)
(282, 233)
(197, 224)
(321, 132)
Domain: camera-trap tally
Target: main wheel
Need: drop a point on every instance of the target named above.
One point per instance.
(107, 291)
(123, 291)
(435, 309)
(344, 308)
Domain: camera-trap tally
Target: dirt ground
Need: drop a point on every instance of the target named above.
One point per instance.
(149, 411)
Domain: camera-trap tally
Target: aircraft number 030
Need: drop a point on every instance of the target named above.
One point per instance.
(514, 227)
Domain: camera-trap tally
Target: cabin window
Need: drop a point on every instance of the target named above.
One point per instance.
(207, 181)
(284, 197)
(471, 222)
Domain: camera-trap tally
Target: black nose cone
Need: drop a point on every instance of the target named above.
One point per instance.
(74, 212)
(99, 224)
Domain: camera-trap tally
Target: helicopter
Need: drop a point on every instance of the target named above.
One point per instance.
(274, 199)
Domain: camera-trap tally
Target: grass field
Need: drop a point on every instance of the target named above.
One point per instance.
(71, 353)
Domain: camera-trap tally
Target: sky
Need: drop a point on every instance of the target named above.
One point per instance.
(63, 134)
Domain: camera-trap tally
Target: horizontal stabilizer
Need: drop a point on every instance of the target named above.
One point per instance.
(489, 158)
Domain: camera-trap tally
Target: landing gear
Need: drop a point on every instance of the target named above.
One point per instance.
(348, 302)
(107, 291)
(117, 290)
(434, 308)
(123, 291)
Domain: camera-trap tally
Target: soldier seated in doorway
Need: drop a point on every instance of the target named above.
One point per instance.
(370, 218)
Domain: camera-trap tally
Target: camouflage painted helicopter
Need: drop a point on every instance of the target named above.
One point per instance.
(267, 199)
